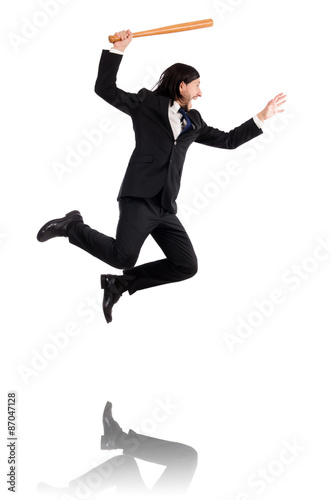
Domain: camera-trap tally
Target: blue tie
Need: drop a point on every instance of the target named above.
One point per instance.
(188, 121)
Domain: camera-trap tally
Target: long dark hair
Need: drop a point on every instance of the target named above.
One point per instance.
(171, 78)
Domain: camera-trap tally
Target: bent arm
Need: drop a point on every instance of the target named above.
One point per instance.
(216, 138)
(106, 88)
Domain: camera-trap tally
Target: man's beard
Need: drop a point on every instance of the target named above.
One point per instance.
(185, 106)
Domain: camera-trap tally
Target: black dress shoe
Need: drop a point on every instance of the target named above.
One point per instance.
(112, 430)
(58, 227)
(113, 290)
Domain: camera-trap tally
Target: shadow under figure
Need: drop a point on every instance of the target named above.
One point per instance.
(122, 471)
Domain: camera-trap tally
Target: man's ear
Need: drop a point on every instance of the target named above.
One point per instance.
(182, 87)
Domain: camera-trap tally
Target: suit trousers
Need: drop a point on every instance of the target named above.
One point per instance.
(122, 471)
(139, 218)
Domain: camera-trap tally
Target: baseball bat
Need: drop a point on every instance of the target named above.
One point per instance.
(174, 28)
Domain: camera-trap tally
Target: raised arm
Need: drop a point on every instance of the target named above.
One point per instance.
(105, 85)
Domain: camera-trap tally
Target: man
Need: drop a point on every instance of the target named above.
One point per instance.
(122, 471)
(165, 126)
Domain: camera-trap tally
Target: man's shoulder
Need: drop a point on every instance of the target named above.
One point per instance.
(152, 95)
(195, 116)
(153, 99)
(194, 113)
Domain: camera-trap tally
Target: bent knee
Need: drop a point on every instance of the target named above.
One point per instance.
(125, 261)
(128, 462)
(191, 268)
(128, 263)
(190, 455)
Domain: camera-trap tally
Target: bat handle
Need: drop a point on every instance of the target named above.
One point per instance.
(113, 38)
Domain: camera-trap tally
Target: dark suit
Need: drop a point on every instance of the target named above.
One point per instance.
(151, 184)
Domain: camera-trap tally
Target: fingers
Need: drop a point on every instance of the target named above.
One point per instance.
(279, 96)
(280, 99)
(123, 34)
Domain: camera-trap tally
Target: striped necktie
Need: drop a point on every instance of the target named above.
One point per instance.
(188, 125)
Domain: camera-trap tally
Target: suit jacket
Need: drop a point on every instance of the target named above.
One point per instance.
(157, 160)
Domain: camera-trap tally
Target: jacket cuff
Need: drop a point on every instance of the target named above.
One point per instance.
(259, 123)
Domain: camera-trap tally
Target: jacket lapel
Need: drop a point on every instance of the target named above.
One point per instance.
(192, 121)
(164, 109)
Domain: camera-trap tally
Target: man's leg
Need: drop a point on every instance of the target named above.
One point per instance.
(136, 222)
(180, 460)
(180, 263)
(121, 472)
(138, 218)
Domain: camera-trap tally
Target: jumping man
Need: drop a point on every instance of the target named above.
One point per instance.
(165, 125)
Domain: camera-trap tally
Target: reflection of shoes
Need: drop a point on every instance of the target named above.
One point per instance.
(52, 492)
(58, 227)
(113, 290)
(111, 429)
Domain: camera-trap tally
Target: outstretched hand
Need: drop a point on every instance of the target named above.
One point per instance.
(126, 38)
(273, 107)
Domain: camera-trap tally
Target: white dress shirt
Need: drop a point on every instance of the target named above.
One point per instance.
(175, 119)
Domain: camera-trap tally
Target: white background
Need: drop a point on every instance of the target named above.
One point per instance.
(236, 407)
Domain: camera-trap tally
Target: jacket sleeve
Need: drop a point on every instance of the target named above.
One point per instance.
(228, 140)
(105, 85)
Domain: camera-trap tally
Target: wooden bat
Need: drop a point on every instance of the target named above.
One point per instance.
(174, 28)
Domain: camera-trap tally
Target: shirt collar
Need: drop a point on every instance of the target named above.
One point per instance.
(175, 107)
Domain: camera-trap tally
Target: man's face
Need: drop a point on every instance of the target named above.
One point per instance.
(189, 91)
